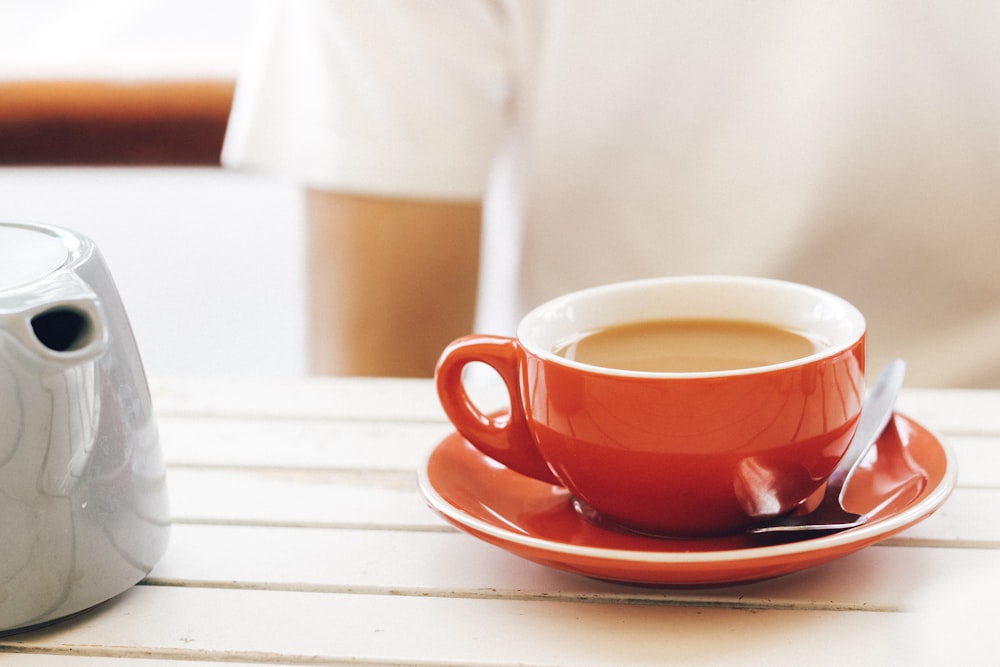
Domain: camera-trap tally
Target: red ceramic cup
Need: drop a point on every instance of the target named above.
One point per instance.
(670, 453)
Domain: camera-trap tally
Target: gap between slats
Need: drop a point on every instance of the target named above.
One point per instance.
(495, 594)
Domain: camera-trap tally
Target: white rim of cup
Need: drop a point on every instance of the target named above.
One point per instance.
(535, 330)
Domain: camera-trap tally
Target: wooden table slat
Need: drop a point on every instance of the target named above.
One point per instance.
(965, 412)
(455, 565)
(270, 626)
(297, 443)
(364, 500)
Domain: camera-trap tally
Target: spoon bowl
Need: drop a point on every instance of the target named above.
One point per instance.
(830, 515)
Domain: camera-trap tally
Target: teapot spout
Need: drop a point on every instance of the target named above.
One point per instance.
(68, 329)
(67, 333)
(62, 325)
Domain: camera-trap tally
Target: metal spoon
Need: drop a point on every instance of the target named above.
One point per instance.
(830, 515)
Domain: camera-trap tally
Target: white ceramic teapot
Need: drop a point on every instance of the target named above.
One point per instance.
(83, 501)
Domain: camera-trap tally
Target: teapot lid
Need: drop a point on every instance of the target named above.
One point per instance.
(28, 254)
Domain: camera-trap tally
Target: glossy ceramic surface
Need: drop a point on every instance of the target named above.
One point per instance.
(905, 478)
(83, 505)
(671, 453)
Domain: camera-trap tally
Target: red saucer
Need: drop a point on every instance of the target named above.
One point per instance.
(537, 521)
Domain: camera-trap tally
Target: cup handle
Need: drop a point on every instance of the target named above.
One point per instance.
(503, 437)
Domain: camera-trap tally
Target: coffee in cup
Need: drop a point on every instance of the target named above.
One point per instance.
(682, 345)
(683, 406)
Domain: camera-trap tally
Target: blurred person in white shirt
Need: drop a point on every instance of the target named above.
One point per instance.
(466, 160)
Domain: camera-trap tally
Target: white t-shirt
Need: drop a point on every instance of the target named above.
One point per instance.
(854, 146)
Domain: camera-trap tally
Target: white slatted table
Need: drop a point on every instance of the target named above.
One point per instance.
(300, 538)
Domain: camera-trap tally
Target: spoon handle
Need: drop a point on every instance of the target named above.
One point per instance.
(875, 415)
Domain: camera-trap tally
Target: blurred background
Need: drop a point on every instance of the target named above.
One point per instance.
(112, 114)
